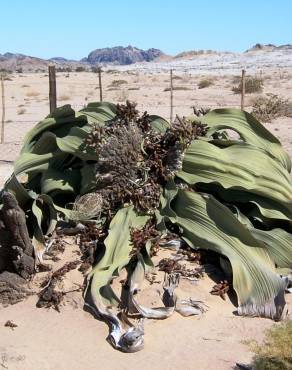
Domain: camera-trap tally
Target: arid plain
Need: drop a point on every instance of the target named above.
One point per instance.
(46, 339)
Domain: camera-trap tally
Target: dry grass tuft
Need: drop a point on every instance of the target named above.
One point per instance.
(178, 88)
(64, 97)
(112, 71)
(32, 93)
(275, 352)
(21, 111)
(122, 96)
(117, 83)
(271, 106)
(205, 83)
(252, 85)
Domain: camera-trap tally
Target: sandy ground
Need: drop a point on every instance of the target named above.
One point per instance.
(73, 339)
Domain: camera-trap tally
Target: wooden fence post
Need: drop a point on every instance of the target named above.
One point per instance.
(3, 109)
(52, 88)
(242, 89)
(100, 85)
(171, 97)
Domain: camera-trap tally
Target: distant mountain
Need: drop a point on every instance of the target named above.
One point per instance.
(24, 63)
(117, 55)
(14, 62)
(194, 53)
(59, 60)
(122, 55)
(269, 47)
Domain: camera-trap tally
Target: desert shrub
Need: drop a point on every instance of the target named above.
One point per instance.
(177, 78)
(275, 352)
(271, 106)
(267, 77)
(21, 111)
(116, 83)
(5, 71)
(63, 97)
(25, 85)
(252, 85)
(63, 69)
(122, 96)
(32, 93)
(112, 71)
(200, 111)
(205, 83)
(80, 69)
(236, 80)
(177, 88)
(134, 88)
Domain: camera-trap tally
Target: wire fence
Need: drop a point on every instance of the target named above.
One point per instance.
(26, 99)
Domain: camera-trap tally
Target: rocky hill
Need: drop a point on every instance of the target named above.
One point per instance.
(122, 55)
(131, 57)
(269, 47)
(24, 63)
(20, 62)
(194, 53)
(117, 55)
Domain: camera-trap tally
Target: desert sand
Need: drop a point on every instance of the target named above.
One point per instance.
(73, 339)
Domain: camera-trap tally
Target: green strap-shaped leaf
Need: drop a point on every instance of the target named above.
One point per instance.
(158, 123)
(239, 167)
(250, 130)
(118, 247)
(100, 294)
(30, 163)
(99, 112)
(88, 178)
(45, 216)
(60, 181)
(74, 143)
(278, 242)
(208, 224)
(22, 195)
(279, 245)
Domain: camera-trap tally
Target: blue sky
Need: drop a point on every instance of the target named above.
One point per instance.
(48, 28)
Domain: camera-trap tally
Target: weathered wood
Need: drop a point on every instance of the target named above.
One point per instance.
(171, 97)
(23, 264)
(5, 248)
(3, 110)
(242, 89)
(13, 288)
(52, 88)
(100, 84)
(15, 221)
(18, 248)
